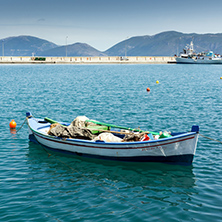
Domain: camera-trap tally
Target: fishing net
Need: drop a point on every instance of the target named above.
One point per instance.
(132, 137)
(70, 132)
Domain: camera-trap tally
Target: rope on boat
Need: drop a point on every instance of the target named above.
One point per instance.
(22, 125)
(24, 122)
(97, 184)
(210, 138)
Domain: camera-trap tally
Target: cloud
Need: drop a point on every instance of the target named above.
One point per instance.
(41, 20)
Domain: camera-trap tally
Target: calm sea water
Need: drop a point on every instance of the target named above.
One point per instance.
(37, 187)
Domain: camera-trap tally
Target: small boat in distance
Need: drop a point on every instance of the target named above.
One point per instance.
(189, 56)
(175, 148)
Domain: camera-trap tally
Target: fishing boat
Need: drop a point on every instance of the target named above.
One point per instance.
(189, 56)
(175, 148)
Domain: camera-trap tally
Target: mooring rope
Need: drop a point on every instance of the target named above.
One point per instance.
(210, 138)
(24, 122)
(22, 125)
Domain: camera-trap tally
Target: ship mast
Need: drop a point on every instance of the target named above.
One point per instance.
(191, 46)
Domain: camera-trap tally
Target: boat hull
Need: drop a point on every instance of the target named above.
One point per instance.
(198, 61)
(179, 149)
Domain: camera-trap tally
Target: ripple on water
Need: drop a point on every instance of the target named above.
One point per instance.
(39, 187)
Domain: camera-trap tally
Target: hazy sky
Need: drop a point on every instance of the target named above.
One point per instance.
(103, 23)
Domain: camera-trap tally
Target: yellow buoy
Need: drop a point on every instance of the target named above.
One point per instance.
(157, 82)
(221, 77)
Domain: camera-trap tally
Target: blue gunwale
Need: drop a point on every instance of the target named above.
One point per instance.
(157, 142)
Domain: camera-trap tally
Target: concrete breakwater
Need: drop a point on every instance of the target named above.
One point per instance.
(88, 60)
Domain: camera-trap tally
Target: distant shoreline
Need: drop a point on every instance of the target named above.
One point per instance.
(88, 60)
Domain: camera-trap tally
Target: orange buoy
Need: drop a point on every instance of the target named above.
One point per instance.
(148, 89)
(12, 124)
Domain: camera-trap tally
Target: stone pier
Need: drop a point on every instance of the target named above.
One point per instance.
(87, 60)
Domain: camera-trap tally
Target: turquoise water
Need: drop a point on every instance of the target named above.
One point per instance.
(36, 186)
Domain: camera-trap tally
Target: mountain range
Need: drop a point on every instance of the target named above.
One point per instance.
(162, 44)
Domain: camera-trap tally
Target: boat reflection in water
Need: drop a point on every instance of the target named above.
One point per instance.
(145, 175)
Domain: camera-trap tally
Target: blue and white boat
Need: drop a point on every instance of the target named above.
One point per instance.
(178, 148)
(189, 56)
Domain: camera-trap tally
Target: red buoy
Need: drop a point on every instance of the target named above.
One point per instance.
(148, 89)
(12, 124)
